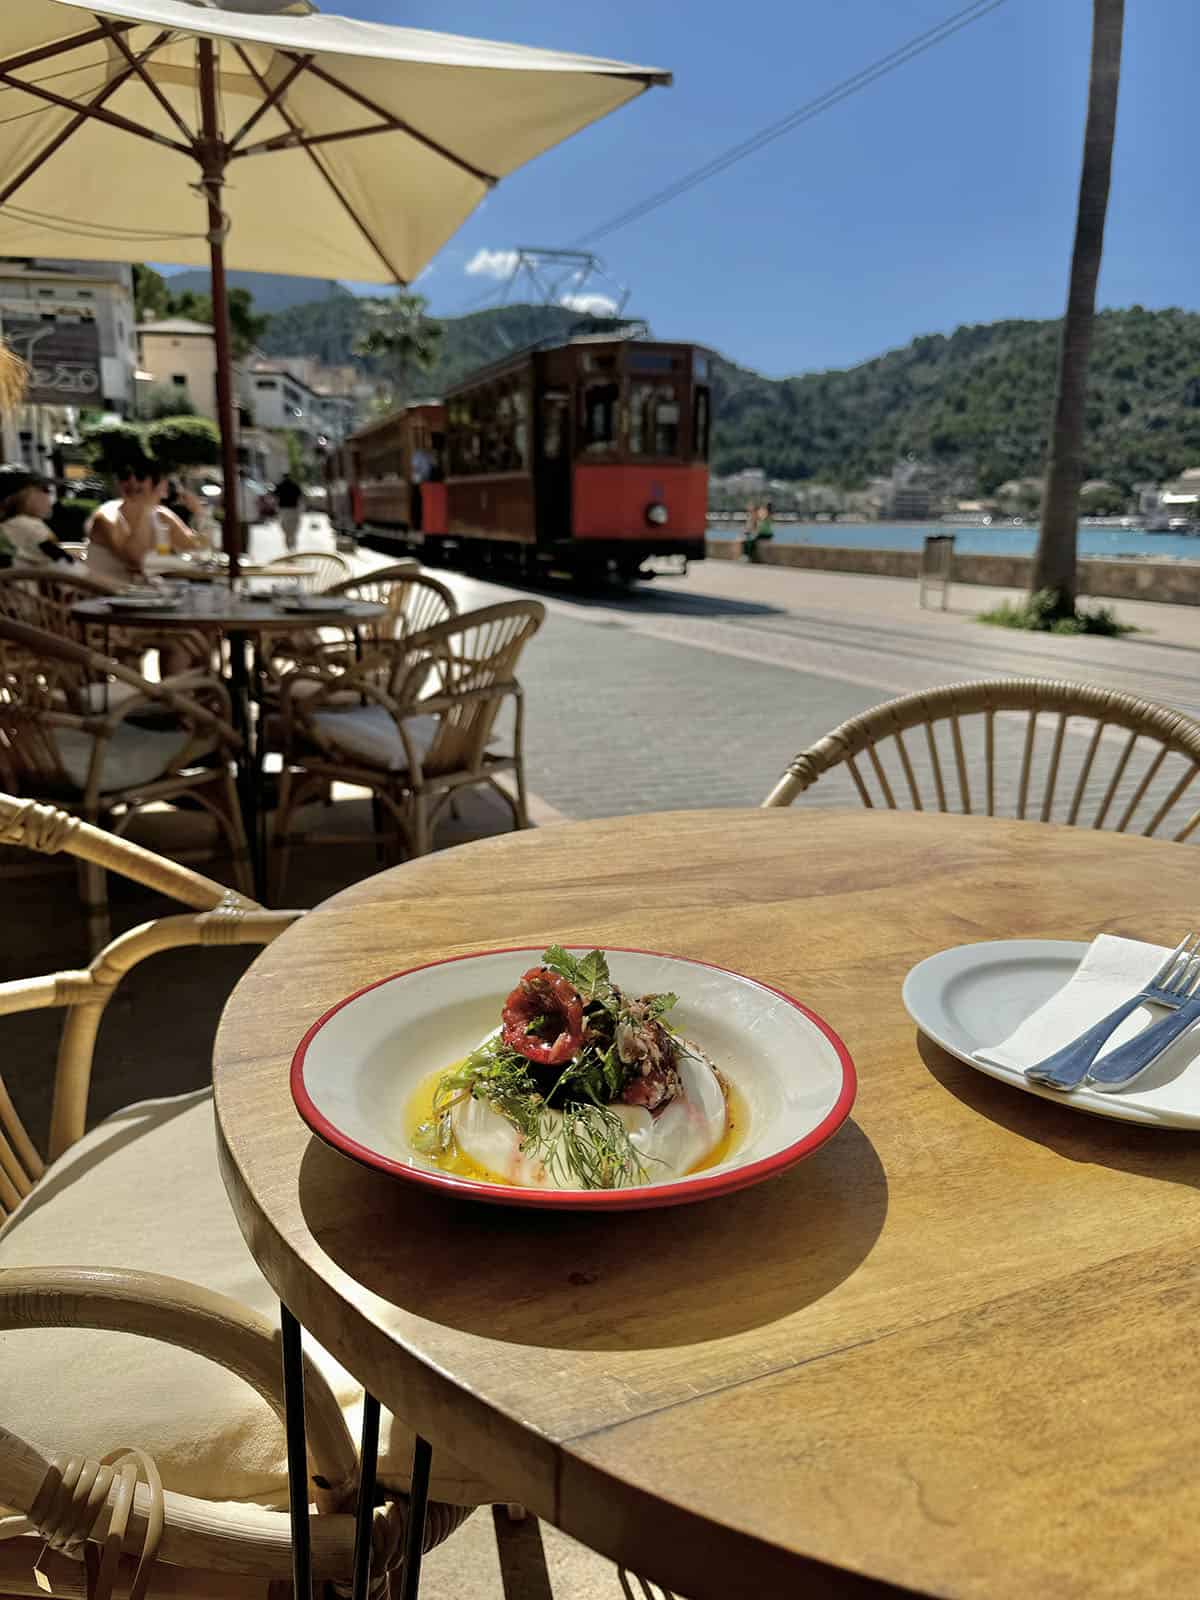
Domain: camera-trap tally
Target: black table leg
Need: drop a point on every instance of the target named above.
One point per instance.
(414, 1534)
(297, 1454)
(368, 1455)
(247, 776)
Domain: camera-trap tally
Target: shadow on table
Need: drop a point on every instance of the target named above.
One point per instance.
(1166, 1154)
(611, 1281)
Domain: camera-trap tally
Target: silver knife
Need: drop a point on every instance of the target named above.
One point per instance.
(1128, 1061)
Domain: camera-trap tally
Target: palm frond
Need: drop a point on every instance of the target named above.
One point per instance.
(14, 376)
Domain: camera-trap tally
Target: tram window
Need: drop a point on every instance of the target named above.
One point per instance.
(600, 416)
(554, 426)
(700, 423)
(654, 420)
(650, 361)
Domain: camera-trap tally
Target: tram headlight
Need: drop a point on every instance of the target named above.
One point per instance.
(656, 514)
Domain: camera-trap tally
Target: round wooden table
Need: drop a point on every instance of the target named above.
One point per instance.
(951, 1353)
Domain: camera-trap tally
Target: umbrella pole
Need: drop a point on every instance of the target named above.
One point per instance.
(213, 157)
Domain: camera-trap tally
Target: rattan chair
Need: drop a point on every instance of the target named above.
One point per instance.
(414, 600)
(326, 568)
(82, 731)
(89, 1248)
(414, 722)
(43, 597)
(1073, 754)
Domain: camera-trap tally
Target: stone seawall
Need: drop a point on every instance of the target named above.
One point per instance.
(1174, 582)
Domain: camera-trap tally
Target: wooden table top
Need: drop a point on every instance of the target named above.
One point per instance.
(215, 610)
(952, 1352)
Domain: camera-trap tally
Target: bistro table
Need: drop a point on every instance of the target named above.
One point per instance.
(243, 620)
(951, 1353)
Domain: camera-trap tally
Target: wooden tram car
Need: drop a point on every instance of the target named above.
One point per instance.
(389, 475)
(585, 457)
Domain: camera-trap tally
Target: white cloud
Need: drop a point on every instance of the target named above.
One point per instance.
(492, 264)
(591, 305)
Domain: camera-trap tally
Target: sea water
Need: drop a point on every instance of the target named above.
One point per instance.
(996, 540)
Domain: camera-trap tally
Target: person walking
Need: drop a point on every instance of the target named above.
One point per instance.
(289, 497)
(421, 466)
(750, 531)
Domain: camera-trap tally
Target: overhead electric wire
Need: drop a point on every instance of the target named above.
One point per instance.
(899, 57)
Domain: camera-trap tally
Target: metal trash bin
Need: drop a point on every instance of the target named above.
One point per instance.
(937, 565)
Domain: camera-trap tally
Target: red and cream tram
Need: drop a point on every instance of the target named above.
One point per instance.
(586, 457)
(389, 475)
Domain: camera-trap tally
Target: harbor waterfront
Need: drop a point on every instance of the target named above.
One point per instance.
(1102, 543)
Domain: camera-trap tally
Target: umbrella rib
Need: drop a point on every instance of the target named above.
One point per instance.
(276, 94)
(312, 155)
(294, 141)
(94, 112)
(80, 117)
(47, 51)
(137, 64)
(399, 125)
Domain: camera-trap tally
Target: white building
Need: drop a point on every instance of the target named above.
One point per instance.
(73, 323)
(177, 353)
(278, 397)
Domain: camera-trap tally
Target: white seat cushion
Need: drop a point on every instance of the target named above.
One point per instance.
(142, 1190)
(370, 734)
(134, 755)
(98, 699)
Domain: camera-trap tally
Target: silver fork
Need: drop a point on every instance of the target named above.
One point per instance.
(1170, 987)
(644, 1591)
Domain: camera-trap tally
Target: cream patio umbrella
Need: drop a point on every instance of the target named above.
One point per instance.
(268, 136)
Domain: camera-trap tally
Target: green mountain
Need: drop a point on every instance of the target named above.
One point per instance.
(272, 291)
(327, 329)
(972, 406)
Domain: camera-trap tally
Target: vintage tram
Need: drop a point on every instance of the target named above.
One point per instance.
(585, 457)
(388, 476)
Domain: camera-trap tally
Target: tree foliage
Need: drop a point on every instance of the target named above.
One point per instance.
(183, 441)
(398, 340)
(171, 443)
(165, 400)
(153, 297)
(114, 447)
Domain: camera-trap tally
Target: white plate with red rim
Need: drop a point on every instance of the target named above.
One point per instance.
(357, 1069)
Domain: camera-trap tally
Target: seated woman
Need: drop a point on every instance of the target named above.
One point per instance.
(124, 532)
(26, 540)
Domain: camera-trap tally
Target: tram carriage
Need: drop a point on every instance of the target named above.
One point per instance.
(585, 457)
(389, 475)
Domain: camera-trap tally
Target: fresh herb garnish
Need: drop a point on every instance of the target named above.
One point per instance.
(588, 974)
(563, 1114)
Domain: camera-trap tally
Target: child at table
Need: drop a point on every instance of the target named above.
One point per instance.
(26, 539)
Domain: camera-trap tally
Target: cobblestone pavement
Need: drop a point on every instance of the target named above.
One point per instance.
(698, 691)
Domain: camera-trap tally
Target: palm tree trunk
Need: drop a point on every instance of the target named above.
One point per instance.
(1054, 561)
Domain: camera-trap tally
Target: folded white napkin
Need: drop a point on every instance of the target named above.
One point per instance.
(1113, 970)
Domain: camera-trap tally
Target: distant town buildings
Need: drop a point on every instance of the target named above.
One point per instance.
(72, 322)
(275, 397)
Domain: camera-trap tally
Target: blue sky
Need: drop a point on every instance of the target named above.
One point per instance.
(942, 195)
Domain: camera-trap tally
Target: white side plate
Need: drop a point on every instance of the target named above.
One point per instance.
(976, 994)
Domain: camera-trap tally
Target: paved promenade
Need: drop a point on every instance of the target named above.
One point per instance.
(697, 691)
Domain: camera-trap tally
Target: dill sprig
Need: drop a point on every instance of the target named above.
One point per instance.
(565, 1121)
